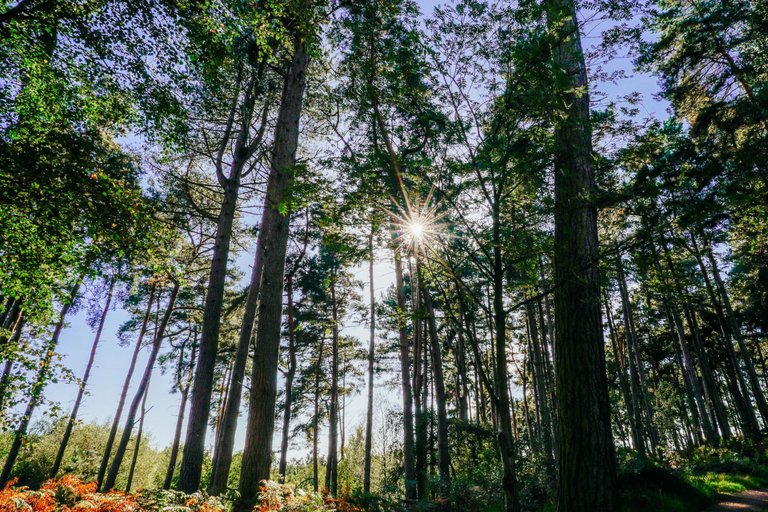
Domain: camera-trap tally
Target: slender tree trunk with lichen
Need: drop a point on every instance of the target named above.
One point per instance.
(124, 392)
(83, 383)
(114, 469)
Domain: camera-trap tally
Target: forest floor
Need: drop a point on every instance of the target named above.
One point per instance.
(747, 501)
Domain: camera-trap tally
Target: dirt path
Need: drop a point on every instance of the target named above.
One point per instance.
(747, 501)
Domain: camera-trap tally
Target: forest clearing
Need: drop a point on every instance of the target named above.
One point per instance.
(383, 255)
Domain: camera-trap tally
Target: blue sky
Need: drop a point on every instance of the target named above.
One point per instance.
(112, 360)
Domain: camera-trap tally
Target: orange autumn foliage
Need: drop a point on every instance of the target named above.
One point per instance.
(68, 494)
(65, 494)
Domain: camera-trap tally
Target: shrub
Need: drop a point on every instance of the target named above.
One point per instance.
(275, 497)
(83, 455)
(650, 487)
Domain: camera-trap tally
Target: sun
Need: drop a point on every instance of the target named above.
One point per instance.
(417, 230)
(419, 226)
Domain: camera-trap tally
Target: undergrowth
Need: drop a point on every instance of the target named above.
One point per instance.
(688, 482)
(68, 494)
(671, 482)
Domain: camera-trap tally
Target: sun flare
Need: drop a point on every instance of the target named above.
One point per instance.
(419, 226)
(416, 229)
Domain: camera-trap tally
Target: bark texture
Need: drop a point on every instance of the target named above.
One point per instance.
(225, 438)
(585, 443)
(202, 388)
(273, 239)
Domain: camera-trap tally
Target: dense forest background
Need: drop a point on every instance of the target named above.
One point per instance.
(479, 255)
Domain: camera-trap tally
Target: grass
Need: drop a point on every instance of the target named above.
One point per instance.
(727, 483)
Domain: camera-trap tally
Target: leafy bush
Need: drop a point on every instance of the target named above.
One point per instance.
(646, 484)
(276, 497)
(83, 455)
(737, 457)
(159, 499)
(660, 489)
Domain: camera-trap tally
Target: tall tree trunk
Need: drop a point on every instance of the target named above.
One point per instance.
(689, 380)
(736, 383)
(137, 444)
(549, 372)
(419, 389)
(710, 387)
(547, 326)
(636, 358)
(539, 376)
(225, 438)
(409, 455)
(9, 317)
(5, 378)
(478, 389)
(83, 384)
(706, 420)
(634, 362)
(504, 430)
(585, 444)
(533, 445)
(342, 410)
(443, 447)
(397, 186)
(332, 461)
(130, 419)
(462, 375)
(176, 439)
(180, 416)
(620, 359)
(371, 362)
(316, 419)
(292, 362)
(124, 392)
(224, 384)
(428, 397)
(202, 388)
(483, 383)
(273, 237)
(36, 391)
(6, 309)
(744, 352)
(289, 376)
(729, 379)
(710, 432)
(761, 358)
(528, 375)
